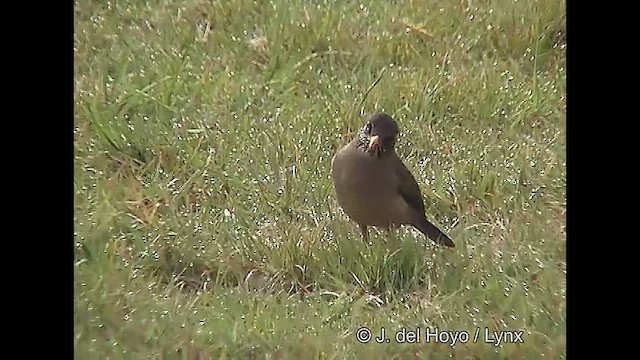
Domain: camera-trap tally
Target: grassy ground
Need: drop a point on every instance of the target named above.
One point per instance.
(205, 222)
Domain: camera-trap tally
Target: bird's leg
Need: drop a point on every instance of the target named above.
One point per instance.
(365, 233)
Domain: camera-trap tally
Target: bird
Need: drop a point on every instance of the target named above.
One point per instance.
(375, 188)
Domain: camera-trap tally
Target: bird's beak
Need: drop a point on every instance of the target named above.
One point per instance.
(374, 144)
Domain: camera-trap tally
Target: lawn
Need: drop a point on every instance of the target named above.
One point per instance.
(205, 221)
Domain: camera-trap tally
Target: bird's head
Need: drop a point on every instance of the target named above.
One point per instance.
(378, 135)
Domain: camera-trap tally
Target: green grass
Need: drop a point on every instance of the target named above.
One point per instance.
(205, 220)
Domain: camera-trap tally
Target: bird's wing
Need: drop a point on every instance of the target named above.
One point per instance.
(408, 187)
(410, 192)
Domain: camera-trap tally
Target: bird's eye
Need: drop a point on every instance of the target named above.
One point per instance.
(367, 127)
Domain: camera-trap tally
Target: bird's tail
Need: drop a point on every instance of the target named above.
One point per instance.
(433, 233)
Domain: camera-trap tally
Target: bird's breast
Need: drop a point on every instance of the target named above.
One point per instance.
(361, 172)
(366, 188)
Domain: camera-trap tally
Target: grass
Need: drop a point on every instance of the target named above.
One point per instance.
(205, 220)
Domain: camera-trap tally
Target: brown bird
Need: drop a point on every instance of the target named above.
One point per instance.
(374, 187)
